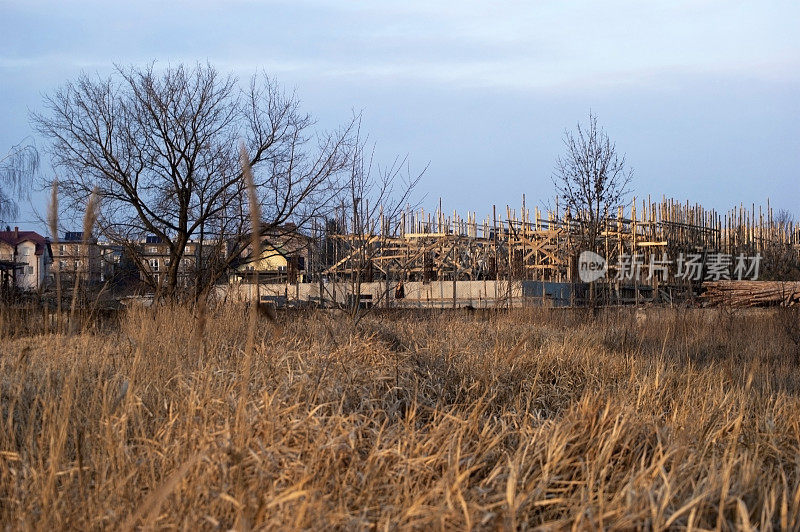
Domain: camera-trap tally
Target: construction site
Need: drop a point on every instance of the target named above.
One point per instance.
(664, 252)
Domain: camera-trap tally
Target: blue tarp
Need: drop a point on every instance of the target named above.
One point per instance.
(555, 294)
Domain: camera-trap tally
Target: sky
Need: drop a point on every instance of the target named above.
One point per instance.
(701, 96)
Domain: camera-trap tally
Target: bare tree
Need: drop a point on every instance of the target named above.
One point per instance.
(781, 259)
(591, 179)
(161, 146)
(784, 221)
(17, 169)
(370, 205)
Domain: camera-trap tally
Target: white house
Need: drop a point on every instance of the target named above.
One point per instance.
(28, 257)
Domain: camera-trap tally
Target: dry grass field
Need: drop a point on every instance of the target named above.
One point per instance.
(165, 419)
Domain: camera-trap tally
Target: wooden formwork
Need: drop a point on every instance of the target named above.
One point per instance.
(419, 246)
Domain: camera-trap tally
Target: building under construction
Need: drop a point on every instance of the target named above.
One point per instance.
(537, 254)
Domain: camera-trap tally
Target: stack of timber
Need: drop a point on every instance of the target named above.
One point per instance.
(751, 293)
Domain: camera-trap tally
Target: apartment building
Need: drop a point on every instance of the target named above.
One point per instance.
(155, 256)
(72, 259)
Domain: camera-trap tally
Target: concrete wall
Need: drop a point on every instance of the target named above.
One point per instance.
(436, 294)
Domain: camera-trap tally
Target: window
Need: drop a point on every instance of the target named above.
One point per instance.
(61, 249)
(152, 249)
(62, 265)
(29, 270)
(154, 264)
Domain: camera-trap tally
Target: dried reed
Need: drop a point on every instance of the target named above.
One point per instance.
(52, 222)
(511, 420)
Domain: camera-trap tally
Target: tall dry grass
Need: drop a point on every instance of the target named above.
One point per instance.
(52, 224)
(89, 219)
(679, 419)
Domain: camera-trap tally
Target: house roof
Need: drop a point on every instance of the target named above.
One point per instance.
(12, 238)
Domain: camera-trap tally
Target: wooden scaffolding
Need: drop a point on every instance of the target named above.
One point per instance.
(544, 246)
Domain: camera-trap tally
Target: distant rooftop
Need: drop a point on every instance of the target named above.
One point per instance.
(12, 238)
